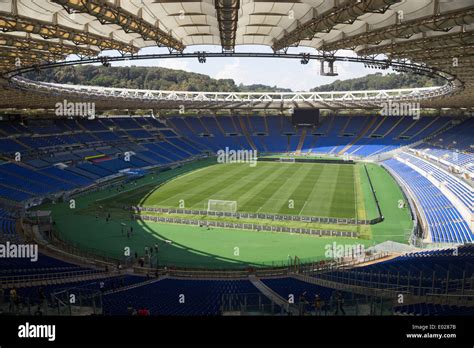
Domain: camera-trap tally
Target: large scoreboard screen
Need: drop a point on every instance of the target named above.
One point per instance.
(305, 117)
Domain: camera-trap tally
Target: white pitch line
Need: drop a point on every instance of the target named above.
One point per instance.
(304, 205)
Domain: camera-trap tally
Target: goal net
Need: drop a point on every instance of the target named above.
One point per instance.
(287, 159)
(222, 206)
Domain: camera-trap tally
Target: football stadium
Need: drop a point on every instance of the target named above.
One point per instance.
(136, 179)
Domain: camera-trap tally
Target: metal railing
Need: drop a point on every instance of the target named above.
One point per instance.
(411, 284)
(69, 302)
(255, 304)
(15, 280)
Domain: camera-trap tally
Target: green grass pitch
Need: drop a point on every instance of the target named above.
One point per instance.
(317, 189)
(310, 189)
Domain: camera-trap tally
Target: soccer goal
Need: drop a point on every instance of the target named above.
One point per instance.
(222, 206)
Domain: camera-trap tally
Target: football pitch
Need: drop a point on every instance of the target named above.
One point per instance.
(309, 189)
(317, 189)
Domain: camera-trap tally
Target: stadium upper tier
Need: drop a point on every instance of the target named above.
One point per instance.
(47, 157)
(436, 33)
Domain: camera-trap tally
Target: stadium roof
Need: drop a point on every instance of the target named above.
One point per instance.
(439, 33)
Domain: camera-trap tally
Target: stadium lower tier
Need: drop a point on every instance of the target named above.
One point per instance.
(429, 270)
(438, 272)
(442, 213)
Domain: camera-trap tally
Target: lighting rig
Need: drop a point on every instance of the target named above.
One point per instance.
(305, 58)
(201, 57)
(330, 65)
(105, 62)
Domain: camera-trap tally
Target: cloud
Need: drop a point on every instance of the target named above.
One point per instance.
(286, 73)
(233, 70)
(178, 64)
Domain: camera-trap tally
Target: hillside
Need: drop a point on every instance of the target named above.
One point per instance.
(158, 78)
(379, 81)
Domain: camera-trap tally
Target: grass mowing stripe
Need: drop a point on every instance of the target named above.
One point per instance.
(290, 191)
(236, 185)
(194, 195)
(275, 191)
(198, 198)
(360, 204)
(239, 188)
(284, 191)
(323, 192)
(251, 182)
(342, 203)
(263, 190)
(186, 183)
(307, 209)
(302, 191)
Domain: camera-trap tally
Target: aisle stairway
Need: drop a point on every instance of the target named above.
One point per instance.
(247, 135)
(361, 134)
(272, 295)
(302, 138)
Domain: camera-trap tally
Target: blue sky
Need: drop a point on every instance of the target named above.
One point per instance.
(286, 73)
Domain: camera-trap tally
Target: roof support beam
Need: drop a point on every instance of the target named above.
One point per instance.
(55, 31)
(442, 53)
(347, 13)
(227, 16)
(442, 63)
(31, 53)
(108, 13)
(7, 63)
(441, 21)
(425, 44)
(52, 47)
